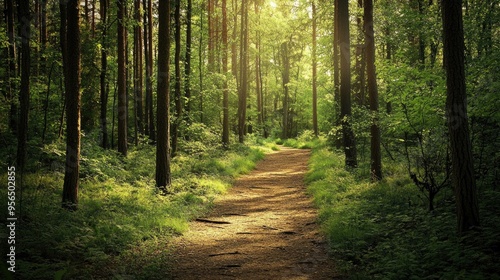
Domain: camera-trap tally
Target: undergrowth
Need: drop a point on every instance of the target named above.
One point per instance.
(123, 225)
(384, 231)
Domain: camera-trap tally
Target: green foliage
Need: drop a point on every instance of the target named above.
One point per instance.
(382, 230)
(121, 217)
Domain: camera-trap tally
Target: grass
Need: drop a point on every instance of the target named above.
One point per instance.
(122, 227)
(383, 230)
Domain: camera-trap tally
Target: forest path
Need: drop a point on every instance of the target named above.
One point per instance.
(264, 228)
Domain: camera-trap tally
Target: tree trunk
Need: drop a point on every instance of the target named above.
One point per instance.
(234, 51)
(187, 65)
(138, 70)
(148, 51)
(122, 80)
(336, 72)
(73, 99)
(210, 12)
(225, 99)
(314, 73)
(163, 178)
(376, 161)
(104, 69)
(285, 79)
(12, 68)
(178, 93)
(345, 84)
(258, 73)
(24, 18)
(242, 99)
(456, 109)
(359, 84)
(200, 65)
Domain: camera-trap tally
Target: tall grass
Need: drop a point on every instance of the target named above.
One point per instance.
(123, 225)
(384, 231)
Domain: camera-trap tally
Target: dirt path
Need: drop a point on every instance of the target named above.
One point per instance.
(265, 229)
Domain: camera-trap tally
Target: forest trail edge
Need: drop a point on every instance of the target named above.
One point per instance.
(263, 228)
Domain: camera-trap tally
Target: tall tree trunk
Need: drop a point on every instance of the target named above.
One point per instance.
(345, 84)
(122, 80)
(225, 98)
(336, 71)
(12, 67)
(242, 99)
(456, 111)
(211, 35)
(376, 161)
(258, 73)
(104, 69)
(200, 64)
(285, 81)
(187, 64)
(138, 68)
(148, 51)
(178, 93)
(359, 84)
(163, 177)
(24, 18)
(234, 51)
(314, 73)
(73, 100)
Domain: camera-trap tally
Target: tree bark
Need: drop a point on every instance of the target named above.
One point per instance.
(122, 80)
(456, 111)
(104, 69)
(178, 93)
(12, 67)
(225, 98)
(138, 70)
(285, 79)
(242, 99)
(314, 73)
(24, 18)
(187, 64)
(258, 73)
(376, 160)
(163, 177)
(345, 84)
(73, 101)
(148, 50)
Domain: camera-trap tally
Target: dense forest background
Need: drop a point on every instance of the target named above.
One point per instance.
(127, 110)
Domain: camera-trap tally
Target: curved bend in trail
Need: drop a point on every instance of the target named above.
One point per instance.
(264, 228)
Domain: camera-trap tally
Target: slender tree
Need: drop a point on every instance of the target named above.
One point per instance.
(178, 94)
(243, 88)
(122, 80)
(258, 70)
(73, 101)
(24, 18)
(104, 69)
(12, 65)
(138, 77)
(225, 99)
(285, 79)
(376, 161)
(345, 83)
(148, 52)
(187, 63)
(336, 71)
(314, 72)
(458, 126)
(163, 178)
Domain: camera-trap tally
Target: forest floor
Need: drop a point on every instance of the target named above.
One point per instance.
(264, 228)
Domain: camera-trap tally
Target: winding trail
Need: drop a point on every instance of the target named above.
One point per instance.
(264, 228)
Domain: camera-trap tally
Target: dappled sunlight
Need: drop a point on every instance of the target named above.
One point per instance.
(264, 228)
